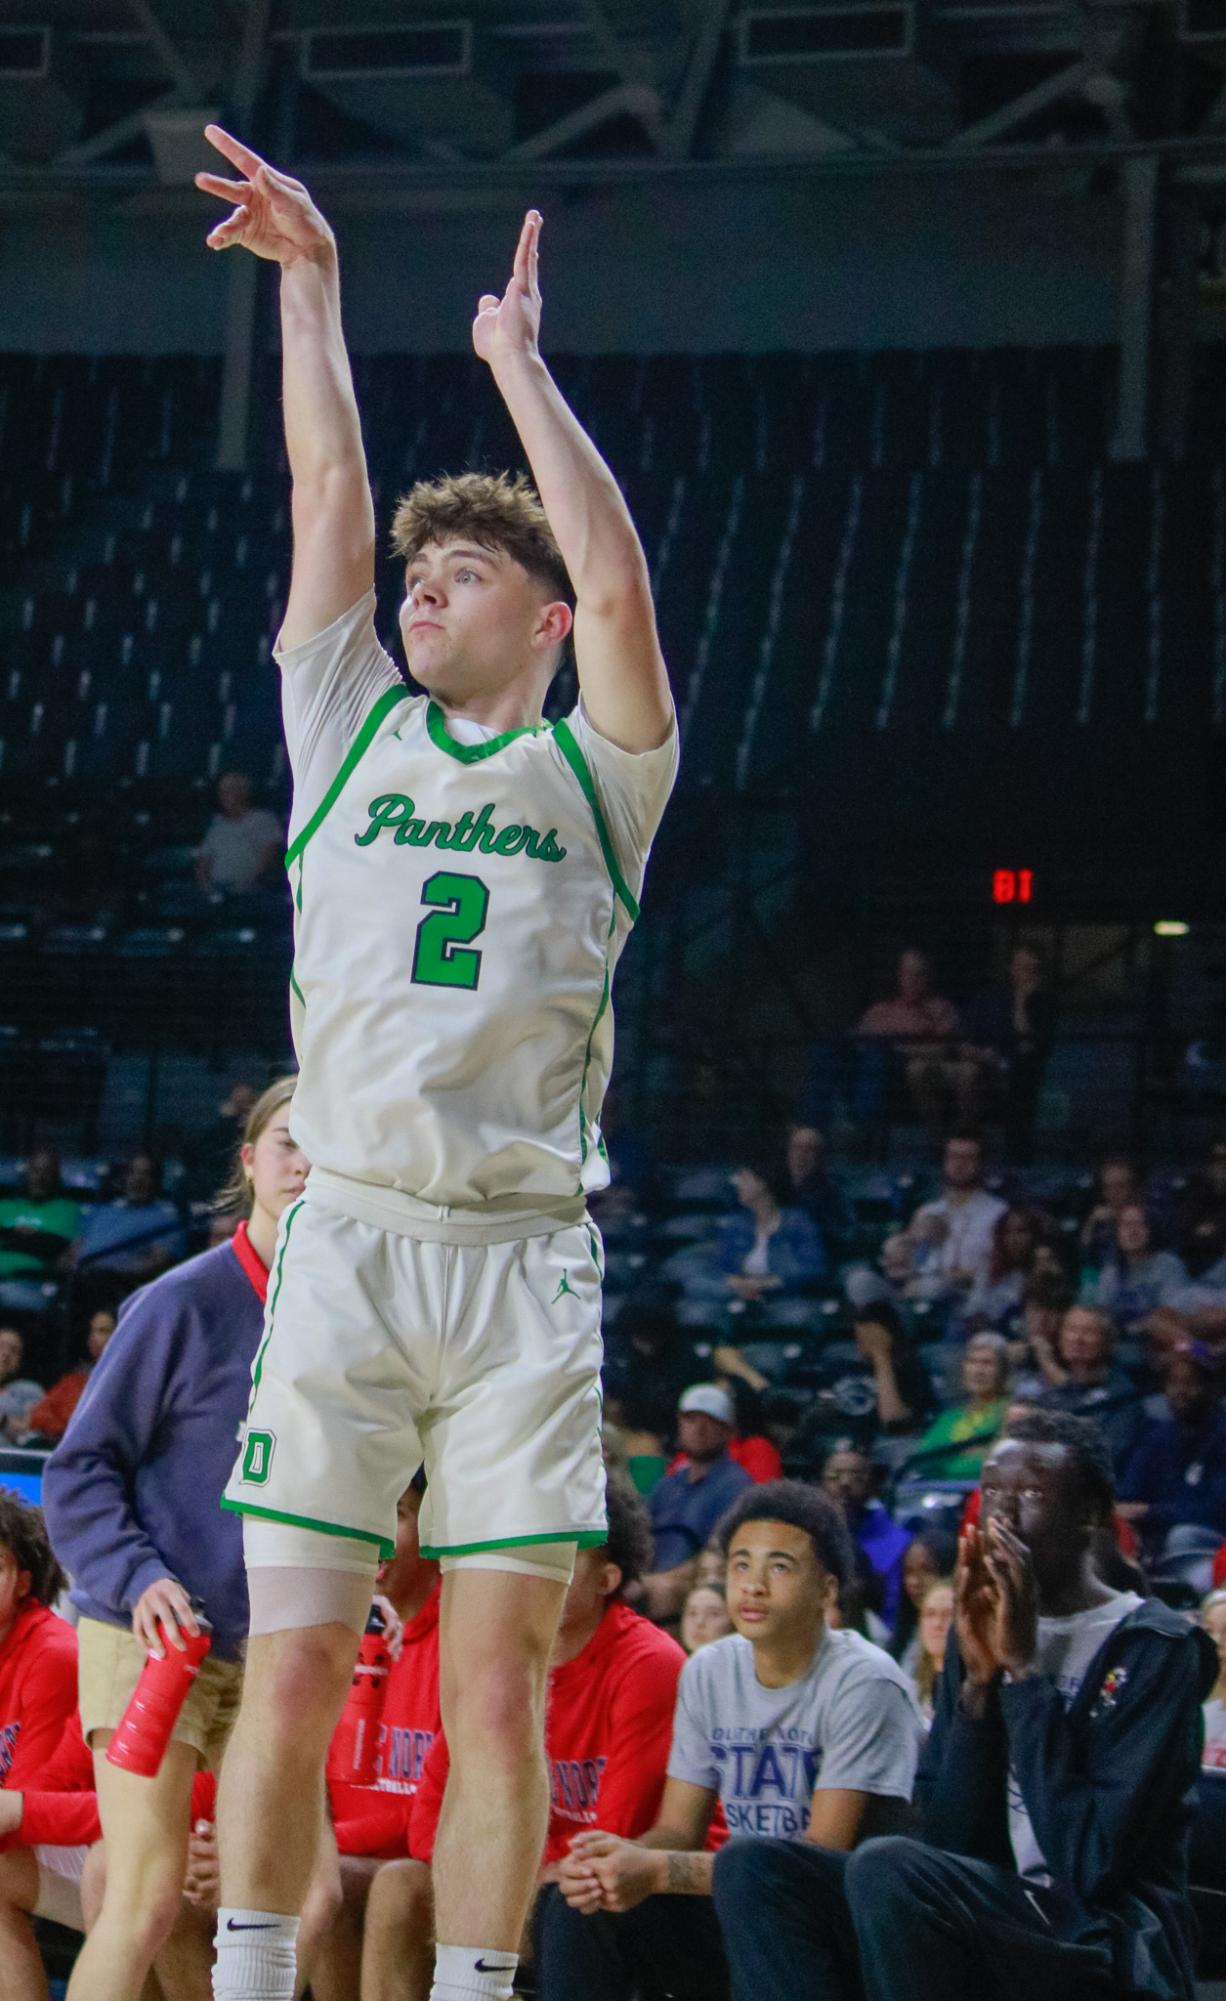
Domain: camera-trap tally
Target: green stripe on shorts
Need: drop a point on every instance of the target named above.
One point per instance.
(583, 1538)
(382, 1543)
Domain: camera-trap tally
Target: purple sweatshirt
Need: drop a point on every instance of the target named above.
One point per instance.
(132, 1491)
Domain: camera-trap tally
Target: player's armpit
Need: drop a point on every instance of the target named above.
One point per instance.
(836, 1817)
(621, 669)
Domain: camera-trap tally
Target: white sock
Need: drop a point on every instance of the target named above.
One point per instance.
(256, 1956)
(472, 1973)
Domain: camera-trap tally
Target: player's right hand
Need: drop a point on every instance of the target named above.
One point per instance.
(163, 1608)
(273, 215)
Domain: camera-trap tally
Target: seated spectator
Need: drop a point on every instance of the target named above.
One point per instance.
(687, 1505)
(1192, 1312)
(1119, 1188)
(137, 1235)
(812, 1185)
(997, 1296)
(935, 1619)
(765, 1262)
(704, 1617)
(1084, 1381)
(1213, 1619)
(211, 1151)
(929, 1558)
(47, 1420)
(37, 1230)
(749, 1447)
(609, 1718)
(18, 1393)
(1056, 1788)
(1202, 1212)
(38, 1649)
(1045, 1302)
(921, 1029)
(797, 1730)
(1134, 1277)
(1177, 1473)
(884, 1393)
(947, 1246)
(849, 1478)
(242, 850)
(1010, 1029)
(954, 1445)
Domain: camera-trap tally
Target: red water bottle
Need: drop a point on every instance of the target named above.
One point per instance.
(353, 1753)
(148, 1722)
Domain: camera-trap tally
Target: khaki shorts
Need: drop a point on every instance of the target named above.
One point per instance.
(109, 1662)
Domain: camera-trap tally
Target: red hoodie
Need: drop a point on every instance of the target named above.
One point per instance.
(38, 1692)
(374, 1820)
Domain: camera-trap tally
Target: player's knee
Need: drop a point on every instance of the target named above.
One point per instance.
(144, 1899)
(498, 1712)
(296, 1682)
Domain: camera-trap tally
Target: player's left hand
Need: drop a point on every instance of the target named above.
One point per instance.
(511, 325)
(604, 1873)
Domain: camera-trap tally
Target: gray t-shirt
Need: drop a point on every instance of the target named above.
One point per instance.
(1066, 1648)
(850, 1722)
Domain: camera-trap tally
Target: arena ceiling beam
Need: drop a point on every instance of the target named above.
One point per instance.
(177, 68)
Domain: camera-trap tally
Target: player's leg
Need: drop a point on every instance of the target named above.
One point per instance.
(145, 1828)
(21, 1966)
(398, 1946)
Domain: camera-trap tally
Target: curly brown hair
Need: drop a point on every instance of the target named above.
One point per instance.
(500, 511)
(23, 1532)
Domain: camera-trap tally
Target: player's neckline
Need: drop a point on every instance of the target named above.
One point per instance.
(471, 753)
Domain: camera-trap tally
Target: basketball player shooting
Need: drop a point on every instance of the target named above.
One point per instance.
(463, 879)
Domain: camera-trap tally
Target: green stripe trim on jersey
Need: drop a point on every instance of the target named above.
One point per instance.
(382, 1543)
(471, 753)
(361, 743)
(276, 1294)
(565, 740)
(584, 1538)
(295, 989)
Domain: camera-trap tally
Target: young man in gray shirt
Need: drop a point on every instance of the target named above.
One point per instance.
(797, 1730)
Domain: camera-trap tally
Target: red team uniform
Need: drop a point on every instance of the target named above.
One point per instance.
(374, 1820)
(38, 1692)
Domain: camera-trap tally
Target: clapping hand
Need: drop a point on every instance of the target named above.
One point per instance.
(1015, 1630)
(511, 325)
(273, 215)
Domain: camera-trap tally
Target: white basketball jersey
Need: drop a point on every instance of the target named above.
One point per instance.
(459, 910)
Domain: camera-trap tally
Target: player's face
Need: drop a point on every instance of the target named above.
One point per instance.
(777, 1590)
(472, 620)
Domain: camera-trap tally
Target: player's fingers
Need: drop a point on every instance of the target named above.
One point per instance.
(215, 184)
(229, 231)
(489, 302)
(236, 153)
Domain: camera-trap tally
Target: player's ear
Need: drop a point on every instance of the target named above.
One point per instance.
(553, 625)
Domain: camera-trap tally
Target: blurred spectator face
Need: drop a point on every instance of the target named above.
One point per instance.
(1190, 1392)
(935, 1619)
(705, 1618)
(963, 1163)
(919, 1573)
(1085, 1339)
(233, 795)
(1118, 1182)
(1025, 970)
(777, 1589)
(14, 1586)
(710, 1567)
(983, 1370)
(276, 1164)
(702, 1438)
(1017, 1238)
(101, 1328)
(12, 1353)
(751, 1187)
(914, 977)
(141, 1180)
(847, 1477)
(806, 1153)
(1213, 1619)
(587, 1594)
(1132, 1230)
(42, 1174)
(1047, 1261)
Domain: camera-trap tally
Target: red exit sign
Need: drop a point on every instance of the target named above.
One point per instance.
(1012, 885)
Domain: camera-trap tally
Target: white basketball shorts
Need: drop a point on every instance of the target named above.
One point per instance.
(381, 1351)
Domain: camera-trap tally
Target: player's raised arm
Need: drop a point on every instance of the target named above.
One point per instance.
(334, 525)
(621, 671)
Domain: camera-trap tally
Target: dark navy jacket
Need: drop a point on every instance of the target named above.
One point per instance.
(1109, 1784)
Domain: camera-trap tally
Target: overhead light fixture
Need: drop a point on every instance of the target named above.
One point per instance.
(1171, 927)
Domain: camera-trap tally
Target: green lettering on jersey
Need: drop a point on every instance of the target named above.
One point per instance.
(397, 813)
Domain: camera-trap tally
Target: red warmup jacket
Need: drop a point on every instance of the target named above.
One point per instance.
(756, 1454)
(608, 1732)
(38, 1692)
(374, 1820)
(60, 1807)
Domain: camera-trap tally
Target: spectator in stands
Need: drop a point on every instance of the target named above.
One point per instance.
(849, 1477)
(798, 1730)
(766, 1261)
(47, 1421)
(954, 1445)
(1213, 1619)
(947, 1245)
(38, 1649)
(1192, 1312)
(1177, 1474)
(749, 1446)
(211, 1152)
(704, 1617)
(37, 1231)
(885, 1392)
(18, 1393)
(1010, 1029)
(1056, 1787)
(995, 1299)
(1135, 1278)
(930, 1557)
(1202, 1213)
(242, 850)
(812, 1185)
(1085, 1381)
(132, 1497)
(921, 1028)
(687, 1505)
(935, 1619)
(137, 1235)
(1035, 1353)
(1119, 1188)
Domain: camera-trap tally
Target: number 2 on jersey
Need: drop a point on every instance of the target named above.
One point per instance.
(461, 905)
